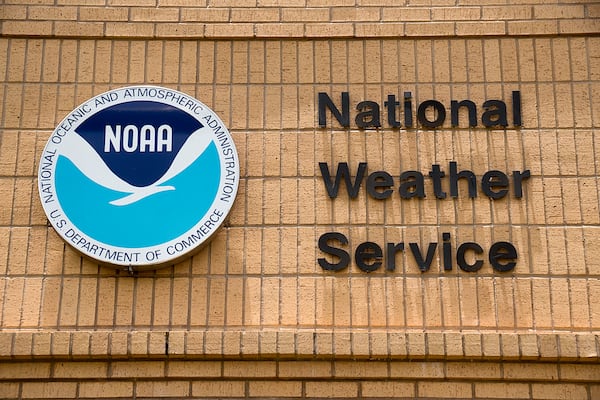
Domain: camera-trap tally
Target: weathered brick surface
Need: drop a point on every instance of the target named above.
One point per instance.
(252, 314)
(297, 19)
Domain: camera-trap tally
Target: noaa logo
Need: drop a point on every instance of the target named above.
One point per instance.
(139, 176)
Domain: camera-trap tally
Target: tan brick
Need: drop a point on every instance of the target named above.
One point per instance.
(567, 344)
(80, 370)
(183, 3)
(24, 370)
(388, 389)
(141, 3)
(360, 369)
(530, 371)
(41, 344)
(445, 389)
(213, 343)
(78, 2)
(587, 346)
(138, 369)
(416, 369)
(254, 15)
(472, 345)
(29, 2)
(379, 29)
(262, 369)
(455, 13)
(268, 389)
(103, 14)
(405, 14)
(281, 3)
(548, 346)
(506, 12)
(593, 10)
(68, 28)
(358, 14)
(156, 343)
(48, 390)
(532, 27)
(229, 31)
(416, 344)
(180, 30)
(80, 343)
(436, 344)
(105, 389)
(361, 344)
(323, 3)
(328, 30)
(128, 29)
(568, 26)
(52, 13)
(453, 342)
(162, 389)
(13, 298)
(143, 14)
(13, 12)
(558, 11)
(331, 389)
(473, 370)
(480, 28)
(30, 28)
(580, 372)
(304, 369)
(99, 344)
(205, 15)
(430, 29)
(22, 344)
(501, 390)
(61, 344)
(529, 346)
(218, 388)
(10, 390)
(231, 343)
(558, 391)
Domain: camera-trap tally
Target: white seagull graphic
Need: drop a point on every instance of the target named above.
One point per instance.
(83, 155)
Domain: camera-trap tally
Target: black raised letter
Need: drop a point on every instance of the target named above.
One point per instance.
(343, 117)
(518, 178)
(334, 251)
(423, 264)
(440, 113)
(456, 105)
(495, 113)
(466, 174)
(342, 172)
(392, 249)
(391, 105)
(447, 251)
(413, 185)
(408, 117)
(436, 174)
(516, 103)
(380, 179)
(503, 251)
(494, 179)
(368, 251)
(460, 257)
(369, 115)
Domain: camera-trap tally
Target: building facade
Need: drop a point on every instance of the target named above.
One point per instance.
(453, 255)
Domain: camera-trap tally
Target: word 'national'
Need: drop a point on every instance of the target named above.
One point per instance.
(431, 114)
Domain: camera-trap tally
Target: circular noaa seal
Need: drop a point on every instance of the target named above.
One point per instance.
(139, 176)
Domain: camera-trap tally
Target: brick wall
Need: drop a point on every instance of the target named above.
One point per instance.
(296, 379)
(296, 18)
(253, 314)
